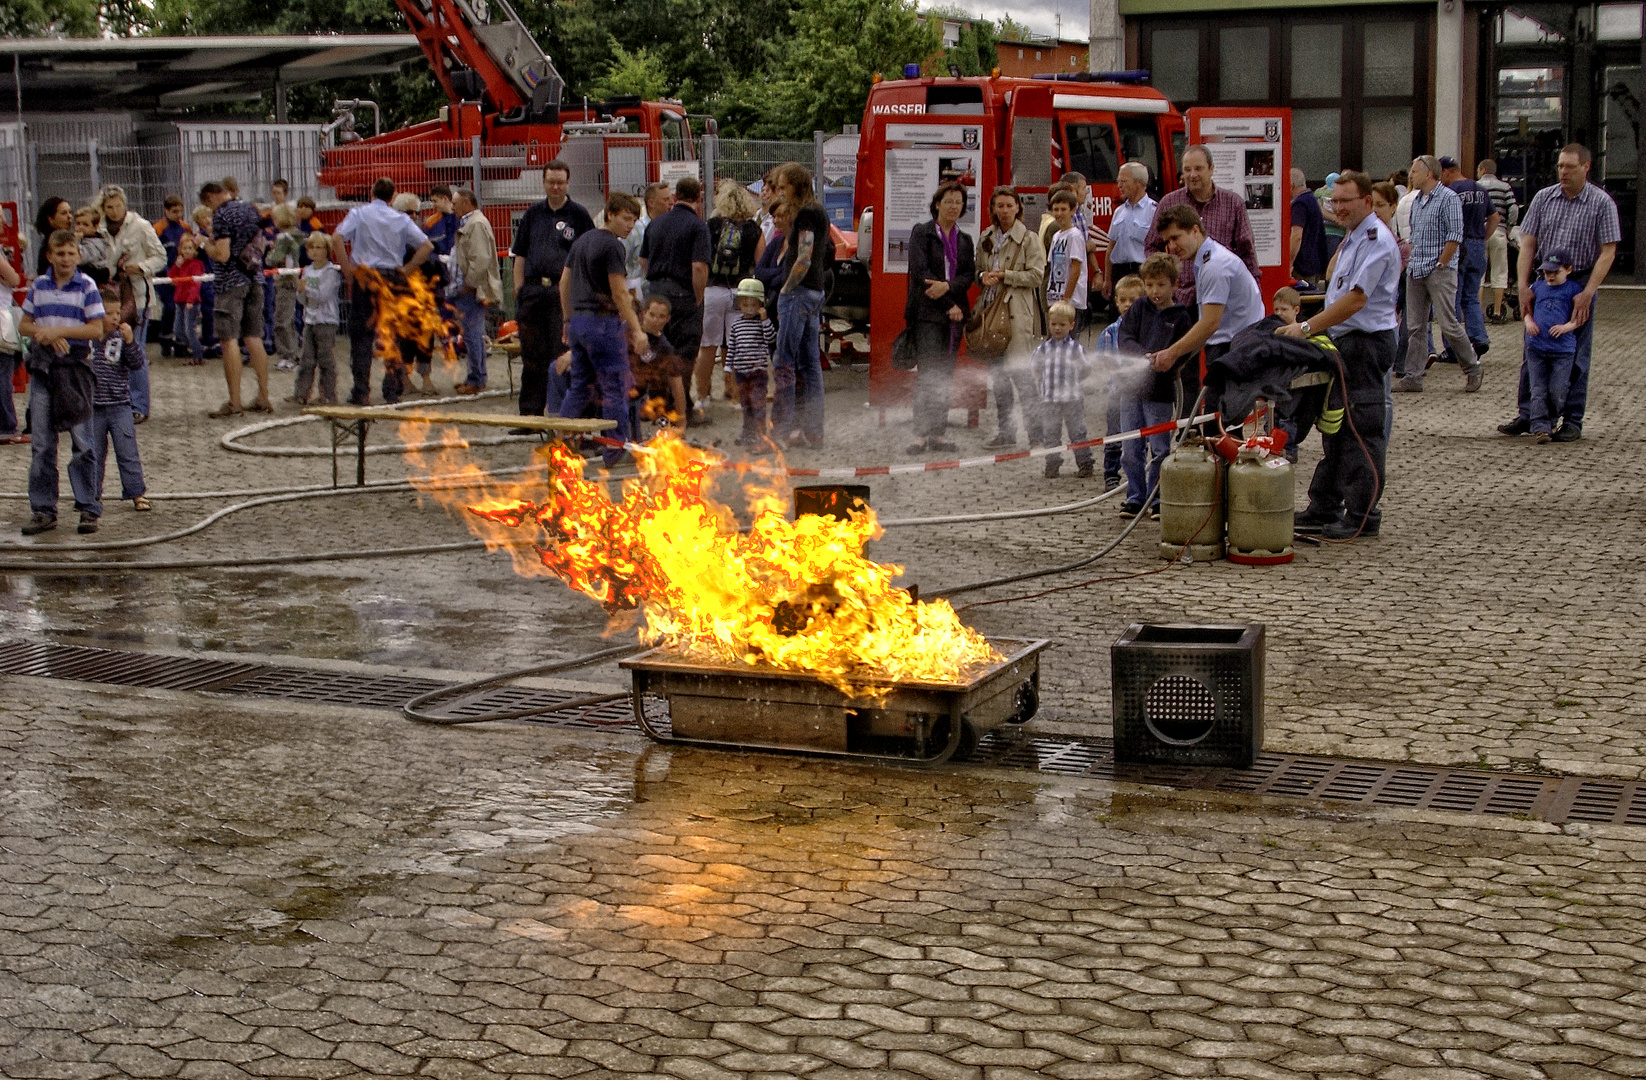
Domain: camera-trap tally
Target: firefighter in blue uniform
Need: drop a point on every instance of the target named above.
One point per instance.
(1360, 317)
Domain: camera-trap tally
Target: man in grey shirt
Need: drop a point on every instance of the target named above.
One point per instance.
(1431, 286)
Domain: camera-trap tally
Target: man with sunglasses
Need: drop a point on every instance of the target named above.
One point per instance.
(1360, 317)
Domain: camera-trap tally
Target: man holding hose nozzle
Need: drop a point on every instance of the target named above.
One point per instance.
(1360, 316)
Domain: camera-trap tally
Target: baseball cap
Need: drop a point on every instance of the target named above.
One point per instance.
(1448, 163)
(1555, 260)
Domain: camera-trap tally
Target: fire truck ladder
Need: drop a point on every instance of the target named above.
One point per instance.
(481, 51)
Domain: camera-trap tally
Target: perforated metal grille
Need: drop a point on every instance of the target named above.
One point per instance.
(1179, 709)
(1332, 780)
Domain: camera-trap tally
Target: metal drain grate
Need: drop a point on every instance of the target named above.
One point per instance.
(360, 689)
(1554, 799)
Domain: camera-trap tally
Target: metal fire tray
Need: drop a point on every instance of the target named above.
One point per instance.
(683, 701)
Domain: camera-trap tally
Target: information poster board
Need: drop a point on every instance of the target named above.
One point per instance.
(918, 158)
(1251, 152)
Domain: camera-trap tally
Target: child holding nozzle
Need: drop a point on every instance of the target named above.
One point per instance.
(1149, 324)
(749, 341)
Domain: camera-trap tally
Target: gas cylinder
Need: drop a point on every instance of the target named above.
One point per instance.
(1260, 507)
(1191, 501)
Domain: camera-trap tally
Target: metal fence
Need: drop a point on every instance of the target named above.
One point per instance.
(746, 160)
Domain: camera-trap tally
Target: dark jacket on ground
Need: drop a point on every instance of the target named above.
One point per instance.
(1145, 328)
(926, 261)
(68, 379)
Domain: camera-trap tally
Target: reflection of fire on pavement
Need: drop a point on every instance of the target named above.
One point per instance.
(792, 595)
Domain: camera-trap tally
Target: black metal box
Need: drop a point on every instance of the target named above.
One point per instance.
(1186, 694)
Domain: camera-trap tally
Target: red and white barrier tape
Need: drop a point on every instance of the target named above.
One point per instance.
(958, 463)
(279, 271)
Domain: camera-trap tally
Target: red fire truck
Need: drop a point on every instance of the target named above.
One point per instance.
(505, 121)
(985, 132)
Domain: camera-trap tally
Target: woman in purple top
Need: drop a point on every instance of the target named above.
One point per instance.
(941, 270)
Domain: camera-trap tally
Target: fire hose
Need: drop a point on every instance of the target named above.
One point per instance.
(413, 709)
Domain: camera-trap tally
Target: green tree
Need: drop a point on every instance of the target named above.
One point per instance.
(35, 18)
(823, 75)
(638, 74)
(1009, 29)
(975, 52)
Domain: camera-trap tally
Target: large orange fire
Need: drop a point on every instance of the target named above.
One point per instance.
(794, 595)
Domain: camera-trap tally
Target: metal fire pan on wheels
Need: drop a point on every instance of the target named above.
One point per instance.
(680, 701)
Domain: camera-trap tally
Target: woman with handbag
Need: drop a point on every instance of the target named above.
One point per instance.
(941, 270)
(1006, 327)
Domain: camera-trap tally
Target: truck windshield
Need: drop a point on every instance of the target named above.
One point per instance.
(1092, 152)
(676, 138)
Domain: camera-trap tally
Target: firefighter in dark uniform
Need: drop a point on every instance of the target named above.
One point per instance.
(1360, 317)
(542, 240)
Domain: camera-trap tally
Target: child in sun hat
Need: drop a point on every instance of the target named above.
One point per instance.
(749, 341)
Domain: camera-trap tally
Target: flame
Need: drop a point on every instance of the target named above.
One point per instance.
(408, 314)
(793, 595)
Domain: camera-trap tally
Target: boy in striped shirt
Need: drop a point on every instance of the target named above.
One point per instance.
(63, 314)
(1059, 365)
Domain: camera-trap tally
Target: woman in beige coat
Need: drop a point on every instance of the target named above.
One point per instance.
(1011, 257)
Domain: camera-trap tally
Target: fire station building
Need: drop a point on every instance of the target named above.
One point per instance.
(1374, 84)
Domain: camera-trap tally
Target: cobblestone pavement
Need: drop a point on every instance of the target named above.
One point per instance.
(213, 889)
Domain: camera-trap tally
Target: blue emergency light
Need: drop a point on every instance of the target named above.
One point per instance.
(911, 71)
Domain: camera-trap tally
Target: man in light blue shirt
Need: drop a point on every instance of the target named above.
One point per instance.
(1129, 227)
(1360, 317)
(1224, 289)
(1437, 234)
(378, 237)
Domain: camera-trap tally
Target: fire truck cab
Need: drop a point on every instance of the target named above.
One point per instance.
(985, 132)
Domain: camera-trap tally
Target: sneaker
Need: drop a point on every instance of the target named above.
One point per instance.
(467, 389)
(88, 522)
(1110, 482)
(1130, 509)
(1052, 468)
(1474, 377)
(1542, 436)
(1434, 358)
(1568, 433)
(943, 445)
(916, 448)
(1154, 512)
(1085, 471)
(39, 523)
(1481, 348)
(1001, 442)
(1408, 385)
(139, 417)
(1517, 426)
(286, 365)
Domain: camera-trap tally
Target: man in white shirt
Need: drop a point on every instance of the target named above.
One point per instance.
(1129, 227)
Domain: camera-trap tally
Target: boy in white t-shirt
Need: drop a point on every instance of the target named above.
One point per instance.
(1066, 258)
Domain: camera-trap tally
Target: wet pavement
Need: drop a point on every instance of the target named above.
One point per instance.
(201, 887)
